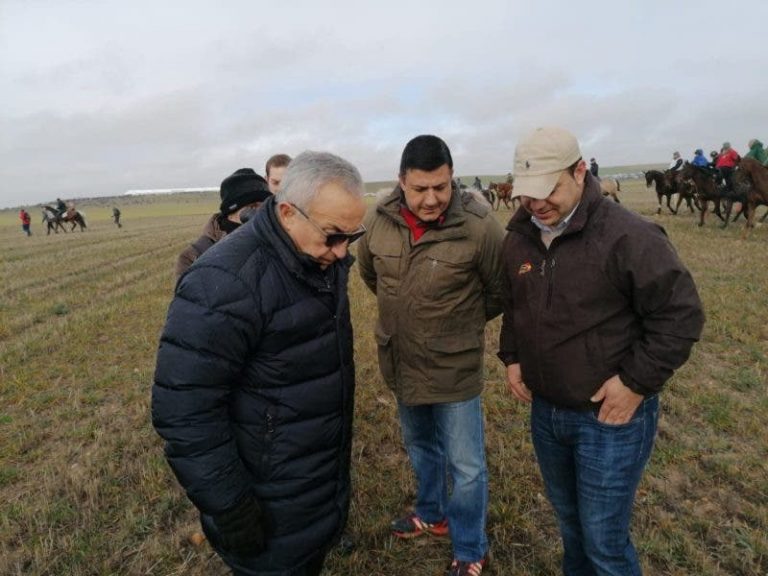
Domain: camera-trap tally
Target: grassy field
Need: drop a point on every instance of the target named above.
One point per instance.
(85, 490)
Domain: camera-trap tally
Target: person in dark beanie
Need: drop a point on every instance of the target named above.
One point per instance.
(241, 193)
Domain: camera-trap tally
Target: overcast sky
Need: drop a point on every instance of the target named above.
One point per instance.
(99, 97)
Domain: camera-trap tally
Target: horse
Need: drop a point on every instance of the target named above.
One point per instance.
(55, 218)
(488, 195)
(757, 175)
(656, 178)
(52, 219)
(610, 187)
(703, 184)
(503, 193)
(76, 217)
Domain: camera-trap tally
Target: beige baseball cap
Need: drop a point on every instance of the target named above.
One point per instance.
(540, 157)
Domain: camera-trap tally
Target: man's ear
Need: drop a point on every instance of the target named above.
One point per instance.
(285, 212)
(581, 172)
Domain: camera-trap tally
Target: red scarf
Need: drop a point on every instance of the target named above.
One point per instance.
(416, 226)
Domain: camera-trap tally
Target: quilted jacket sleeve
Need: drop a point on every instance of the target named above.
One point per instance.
(665, 299)
(212, 325)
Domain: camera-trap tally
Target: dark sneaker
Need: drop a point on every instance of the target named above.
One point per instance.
(412, 526)
(461, 568)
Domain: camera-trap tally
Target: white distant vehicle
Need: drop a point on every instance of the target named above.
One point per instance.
(168, 191)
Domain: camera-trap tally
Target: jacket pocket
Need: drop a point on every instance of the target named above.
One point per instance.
(455, 361)
(386, 355)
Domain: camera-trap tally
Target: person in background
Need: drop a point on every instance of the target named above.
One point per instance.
(598, 313)
(116, 216)
(274, 170)
(254, 381)
(26, 222)
(699, 159)
(757, 152)
(726, 164)
(677, 162)
(594, 169)
(431, 256)
(241, 191)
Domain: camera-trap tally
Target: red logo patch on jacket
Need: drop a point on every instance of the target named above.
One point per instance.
(524, 268)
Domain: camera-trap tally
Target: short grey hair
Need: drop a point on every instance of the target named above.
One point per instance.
(310, 171)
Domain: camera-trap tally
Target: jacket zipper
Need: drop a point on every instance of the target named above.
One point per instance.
(550, 281)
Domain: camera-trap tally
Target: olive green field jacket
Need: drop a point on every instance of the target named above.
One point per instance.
(434, 297)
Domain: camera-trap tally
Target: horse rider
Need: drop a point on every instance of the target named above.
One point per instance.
(757, 152)
(116, 216)
(713, 159)
(510, 179)
(477, 183)
(726, 164)
(699, 159)
(677, 162)
(61, 207)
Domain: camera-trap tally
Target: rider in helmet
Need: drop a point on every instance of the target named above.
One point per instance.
(757, 152)
(726, 164)
(699, 159)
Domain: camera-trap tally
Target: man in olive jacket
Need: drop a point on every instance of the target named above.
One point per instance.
(254, 383)
(432, 257)
(598, 313)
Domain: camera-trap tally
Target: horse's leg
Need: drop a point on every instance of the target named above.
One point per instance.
(677, 206)
(716, 203)
(728, 208)
(741, 211)
(764, 215)
(704, 206)
(751, 209)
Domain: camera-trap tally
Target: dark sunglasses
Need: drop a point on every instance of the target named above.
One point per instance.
(333, 238)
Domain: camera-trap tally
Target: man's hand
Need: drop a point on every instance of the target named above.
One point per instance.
(241, 529)
(619, 402)
(516, 385)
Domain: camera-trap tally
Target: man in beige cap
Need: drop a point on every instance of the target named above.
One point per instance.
(598, 313)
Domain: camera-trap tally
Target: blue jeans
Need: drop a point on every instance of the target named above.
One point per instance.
(446, 439)
(591, 471)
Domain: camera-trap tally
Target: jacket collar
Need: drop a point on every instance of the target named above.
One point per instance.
(450, 228)
(267, 224)
(590, 200)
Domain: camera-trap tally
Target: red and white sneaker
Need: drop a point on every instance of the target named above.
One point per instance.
(412, 526)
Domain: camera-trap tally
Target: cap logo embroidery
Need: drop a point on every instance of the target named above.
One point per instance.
(524, 268)
(527, 164)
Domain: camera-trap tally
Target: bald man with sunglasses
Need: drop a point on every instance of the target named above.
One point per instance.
(254, 382)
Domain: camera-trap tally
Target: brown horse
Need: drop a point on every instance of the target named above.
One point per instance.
(757, 175)
(503, 192)
(610, 187)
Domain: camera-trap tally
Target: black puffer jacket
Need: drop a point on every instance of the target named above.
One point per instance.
(254, 389)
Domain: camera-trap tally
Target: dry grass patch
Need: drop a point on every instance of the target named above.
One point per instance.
(84, 488)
